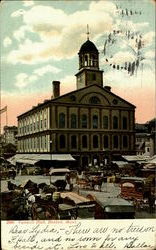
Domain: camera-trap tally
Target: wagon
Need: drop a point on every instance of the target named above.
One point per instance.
(132, 188)
(43, 210)
(52, 209)
(85, 208)
(112, 208)
(67, 212)
(12, 206)
(7, 174)
(61, 177)
(90, 181)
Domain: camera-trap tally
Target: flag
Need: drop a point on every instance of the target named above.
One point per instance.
(3, 110)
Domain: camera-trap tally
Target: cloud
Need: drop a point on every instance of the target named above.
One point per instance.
(150, 54)
(46, 69)
(7, 42)
(18, 13)
(20, 33)
(103, 6)
(56, 30)
(28, 3)
(130, 25)
(120, 79)
(34, 52)
(23, 80)
(122, 57)
(148, 38)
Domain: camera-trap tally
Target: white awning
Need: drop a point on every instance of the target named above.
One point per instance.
(152, 160)
(120, 163)
(33, 158)
(59, 170)
(134, 158)
(27, 161)
(12, 160)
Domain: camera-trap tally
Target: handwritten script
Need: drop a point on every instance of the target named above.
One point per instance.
(47, 235)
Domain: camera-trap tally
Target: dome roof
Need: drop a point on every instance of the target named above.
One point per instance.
(88, 46)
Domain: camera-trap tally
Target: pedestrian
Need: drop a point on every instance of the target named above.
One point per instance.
(67, 177)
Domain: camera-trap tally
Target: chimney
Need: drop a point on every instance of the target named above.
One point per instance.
(108, 88)
(56, 89)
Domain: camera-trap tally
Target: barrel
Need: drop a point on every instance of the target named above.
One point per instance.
(56, 196)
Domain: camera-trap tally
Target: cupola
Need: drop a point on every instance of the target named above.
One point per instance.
(89, 72)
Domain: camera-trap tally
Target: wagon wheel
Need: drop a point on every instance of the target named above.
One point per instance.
(74, 215)
(44, 212)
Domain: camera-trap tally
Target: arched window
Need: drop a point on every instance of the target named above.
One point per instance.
(84, 121)
(61, 120)
(73, 142)
(105, 122)
(106, 142)
(95, 141)
(124, 122)
(62, 141)
(115, 141)
(93, 58)
(94, 99)
(115, 122)
(86, 60)
(95, 121)
(125, 141)
(84, 141)
(73, 121)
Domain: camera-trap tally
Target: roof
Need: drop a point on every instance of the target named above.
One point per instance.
(152, 160)
(88, 46)
(134, 158)
(33, 158)
(150, 166)
(78, 199)
(65, 207)
(118, 205)
(120, 163)
(132, 178)
(54, 100)
(59, 170)
(114, 204)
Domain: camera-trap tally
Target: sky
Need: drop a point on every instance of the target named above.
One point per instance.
(40, 41)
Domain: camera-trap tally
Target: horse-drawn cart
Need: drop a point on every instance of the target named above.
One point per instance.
(90, 180)
(132, 188)
(112, 208)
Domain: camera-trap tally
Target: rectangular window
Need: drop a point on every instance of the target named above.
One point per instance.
(93, 76)
(105, 122)
(45, 123)
(45, 142)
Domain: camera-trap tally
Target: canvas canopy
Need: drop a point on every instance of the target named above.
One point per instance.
(34, 158)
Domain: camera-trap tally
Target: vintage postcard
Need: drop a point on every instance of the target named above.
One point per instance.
(78, 124)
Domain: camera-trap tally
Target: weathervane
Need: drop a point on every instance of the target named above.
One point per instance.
(87, 32)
